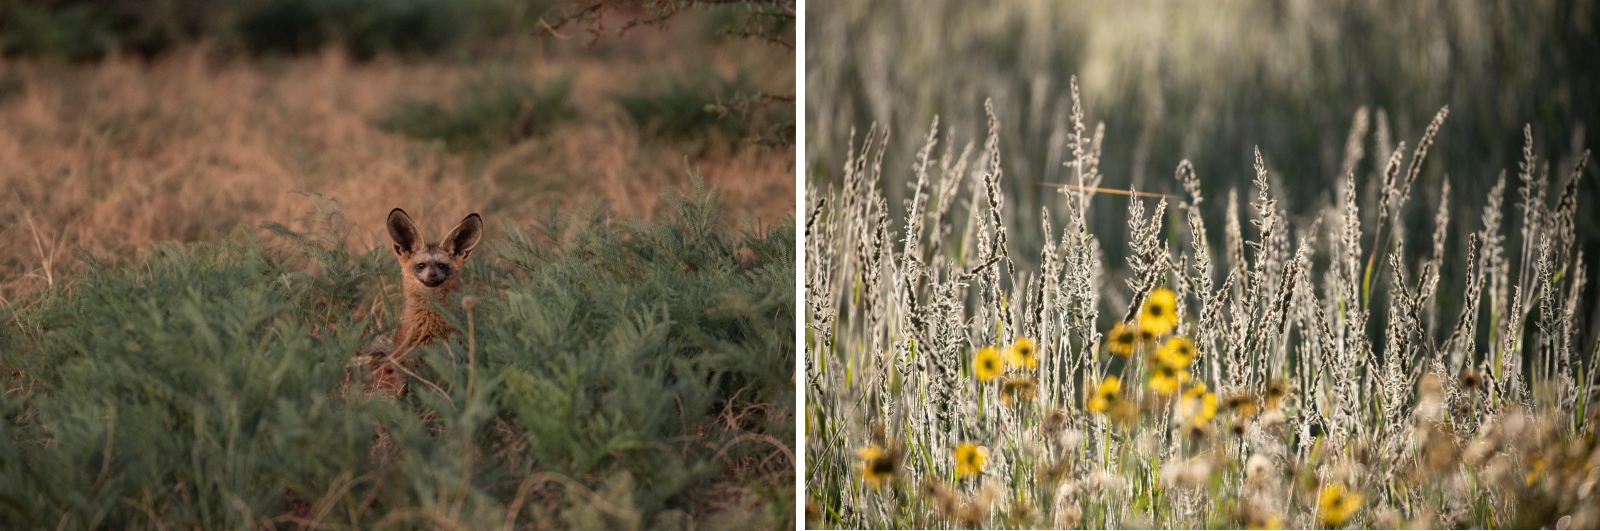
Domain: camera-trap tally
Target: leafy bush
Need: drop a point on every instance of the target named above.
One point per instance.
(496, 111)
(364, 27)
(769, 21)
(89, 29)
(674, 108)
(608, 376)
(74, 33)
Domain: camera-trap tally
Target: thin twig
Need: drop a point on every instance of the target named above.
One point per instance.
(1107, 190)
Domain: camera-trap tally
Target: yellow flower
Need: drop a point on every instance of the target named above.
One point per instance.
(1273, 392)
(1160, 312)
(1176, 353)
(878, 465)
(1197, 404)
(1166, 380)
(1123, 339)
(1534, 470)
(1104, 394)
(1022, 388)
(987, 364)
(970, 458)
(1241, 402)
(1197, 429)
(1123, 413)
(1023, 353)
(1335, 504)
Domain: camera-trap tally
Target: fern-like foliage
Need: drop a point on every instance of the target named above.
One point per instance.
(619, 375)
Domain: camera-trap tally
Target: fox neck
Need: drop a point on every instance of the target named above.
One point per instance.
(419, 323)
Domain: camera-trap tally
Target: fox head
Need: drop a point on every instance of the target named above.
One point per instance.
(433, 264)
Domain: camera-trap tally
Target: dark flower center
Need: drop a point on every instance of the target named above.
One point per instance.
(1155, 310)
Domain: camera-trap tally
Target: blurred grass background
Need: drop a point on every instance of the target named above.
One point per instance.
(1208, 81)
(128, 122)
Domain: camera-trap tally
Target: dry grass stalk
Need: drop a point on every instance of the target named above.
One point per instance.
(1302, 420)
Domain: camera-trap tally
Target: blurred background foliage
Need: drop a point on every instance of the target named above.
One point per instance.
(91, 29)
(219, 112)
(88, 30)
(667, 107)
(1208, 81)
(494, 111)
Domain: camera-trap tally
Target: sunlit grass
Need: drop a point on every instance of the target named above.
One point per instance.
(1256, 391)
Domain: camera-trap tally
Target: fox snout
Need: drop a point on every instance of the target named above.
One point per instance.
(432, 275)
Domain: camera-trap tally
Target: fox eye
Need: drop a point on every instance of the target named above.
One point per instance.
(420, 267)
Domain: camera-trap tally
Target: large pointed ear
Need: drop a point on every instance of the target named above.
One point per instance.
(404, 233)
(464, 237)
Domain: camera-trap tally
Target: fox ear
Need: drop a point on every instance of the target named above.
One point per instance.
(464, 237)
(404, 233)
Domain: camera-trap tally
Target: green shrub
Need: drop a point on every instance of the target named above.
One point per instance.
(674, 108)
(766, 21)
(496, 111)
(88, 29)
(75, 33)
(201, 387)
(364, 27)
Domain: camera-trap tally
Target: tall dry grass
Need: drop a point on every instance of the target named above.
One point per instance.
(1237, 378)
(109, 157)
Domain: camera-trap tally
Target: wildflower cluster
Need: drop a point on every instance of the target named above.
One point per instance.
(1266, 390)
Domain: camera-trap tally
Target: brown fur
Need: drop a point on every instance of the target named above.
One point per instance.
(429, 274)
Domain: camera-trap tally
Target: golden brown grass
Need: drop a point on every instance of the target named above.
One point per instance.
(109, 157)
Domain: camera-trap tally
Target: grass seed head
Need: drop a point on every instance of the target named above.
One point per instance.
(1054, 421)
